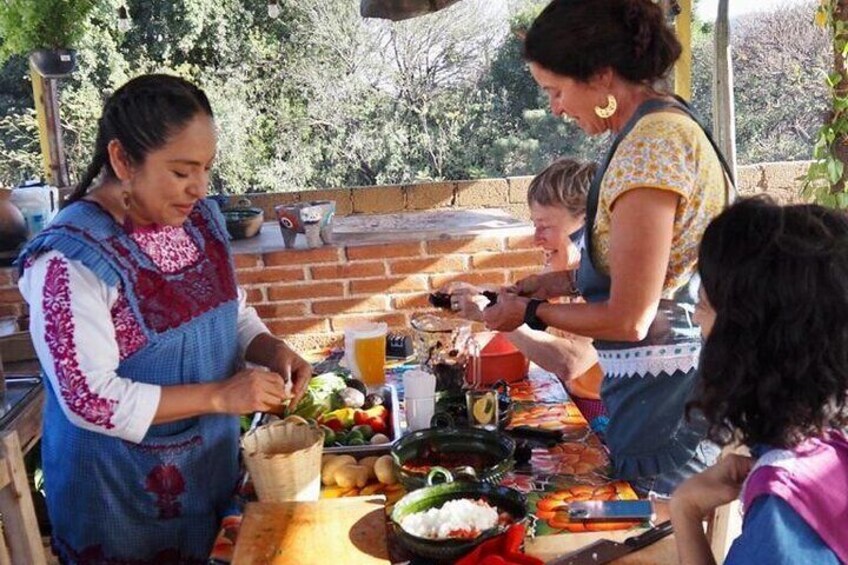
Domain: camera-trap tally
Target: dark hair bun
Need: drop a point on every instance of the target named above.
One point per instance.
(578, 38)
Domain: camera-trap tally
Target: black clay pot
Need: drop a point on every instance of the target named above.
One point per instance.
(504, 498)
(13, 229)
(243, 220)
(495, 445)
(54, 63)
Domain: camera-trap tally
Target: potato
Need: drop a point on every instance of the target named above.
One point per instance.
(384, 469)
(329, 468)
(368, 463)
(348, 476)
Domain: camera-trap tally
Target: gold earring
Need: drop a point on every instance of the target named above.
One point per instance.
(607, 112)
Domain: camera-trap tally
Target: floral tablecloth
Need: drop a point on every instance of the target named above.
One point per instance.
(576, 469)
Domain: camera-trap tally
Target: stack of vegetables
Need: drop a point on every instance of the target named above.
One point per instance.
(347, 413)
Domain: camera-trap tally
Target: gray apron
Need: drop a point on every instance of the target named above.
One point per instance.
(647, 433)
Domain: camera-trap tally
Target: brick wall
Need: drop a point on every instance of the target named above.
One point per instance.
(779, 179)
(311, 295)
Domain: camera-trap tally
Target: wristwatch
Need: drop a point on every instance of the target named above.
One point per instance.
(530, 318)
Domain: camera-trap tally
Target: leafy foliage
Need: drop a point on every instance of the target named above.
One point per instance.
(826, 180)
(321, 97)
(27, 25)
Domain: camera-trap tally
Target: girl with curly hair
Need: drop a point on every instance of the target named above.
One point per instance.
(774, 311)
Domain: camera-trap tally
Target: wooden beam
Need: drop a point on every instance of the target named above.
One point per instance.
(724, 114)
(41, 116)
(46, 97)
(683, 67)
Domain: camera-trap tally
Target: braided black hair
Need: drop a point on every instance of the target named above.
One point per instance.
(142, 114)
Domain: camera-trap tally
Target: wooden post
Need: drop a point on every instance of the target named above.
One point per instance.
(840, 146)
(724, 115)
(46, 96)
(683, 67)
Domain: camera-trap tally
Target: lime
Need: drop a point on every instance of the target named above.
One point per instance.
(483, 410)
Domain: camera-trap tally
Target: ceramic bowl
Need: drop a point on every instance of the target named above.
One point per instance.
(243, 222)
(504, 498)
(493, 444)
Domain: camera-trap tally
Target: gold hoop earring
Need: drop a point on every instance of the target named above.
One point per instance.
(607, 112)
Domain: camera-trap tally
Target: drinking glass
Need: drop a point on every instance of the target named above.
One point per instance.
(365, 352)
(482, 408)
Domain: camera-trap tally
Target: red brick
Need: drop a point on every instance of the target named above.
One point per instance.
(10, 296)
(388, 284)
(497, 278)
(410, 301)
(432, 265)
(349, 271)
(281, 310)
(508, 260)
(267, 275)
(247, 260)
(464, 245)
(254, 295)
(369, 304)
(518, 274)
(296, 326)
(302, 256)
(384, 251)
(394, 320)
(304, 291)
(520, 242)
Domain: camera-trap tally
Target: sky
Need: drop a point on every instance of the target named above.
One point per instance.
(708, 9)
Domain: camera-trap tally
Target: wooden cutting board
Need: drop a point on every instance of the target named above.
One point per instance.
(335, 531)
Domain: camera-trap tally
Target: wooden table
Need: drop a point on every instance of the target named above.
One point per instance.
(545, 547)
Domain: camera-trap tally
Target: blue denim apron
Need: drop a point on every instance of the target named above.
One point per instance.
(161, 500)
(645, 396)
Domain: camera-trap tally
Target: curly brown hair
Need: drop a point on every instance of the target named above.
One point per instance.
(578, 38)
(774, 369)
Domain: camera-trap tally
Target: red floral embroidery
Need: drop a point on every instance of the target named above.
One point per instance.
(167, 302)
(167, 483)
(170, 247)
(128, 332)
(59, 335)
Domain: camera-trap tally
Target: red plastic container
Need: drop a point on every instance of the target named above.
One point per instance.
(500, 359)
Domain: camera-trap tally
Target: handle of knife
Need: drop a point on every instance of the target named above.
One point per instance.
(647, 538)
(539, 433)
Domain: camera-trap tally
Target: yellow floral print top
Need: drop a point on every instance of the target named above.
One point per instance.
(665, 151)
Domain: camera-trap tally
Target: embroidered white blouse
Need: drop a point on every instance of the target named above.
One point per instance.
(82, 328)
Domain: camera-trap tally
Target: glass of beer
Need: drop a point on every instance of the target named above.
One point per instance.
(365, 352)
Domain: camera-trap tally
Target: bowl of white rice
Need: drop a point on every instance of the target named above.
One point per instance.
(448, 520)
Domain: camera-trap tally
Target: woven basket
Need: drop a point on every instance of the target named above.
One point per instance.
(284, 460)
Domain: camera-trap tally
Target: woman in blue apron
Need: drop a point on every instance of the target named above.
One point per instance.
(142, 333)
(659, 185)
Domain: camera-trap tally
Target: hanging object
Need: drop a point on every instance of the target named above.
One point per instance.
(397, 10)
(123, 19)
(273, 9)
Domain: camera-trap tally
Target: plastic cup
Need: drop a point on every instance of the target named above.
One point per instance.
(365, 352)
(419, 412)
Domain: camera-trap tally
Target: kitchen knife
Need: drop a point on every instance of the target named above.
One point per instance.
(604, 551)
